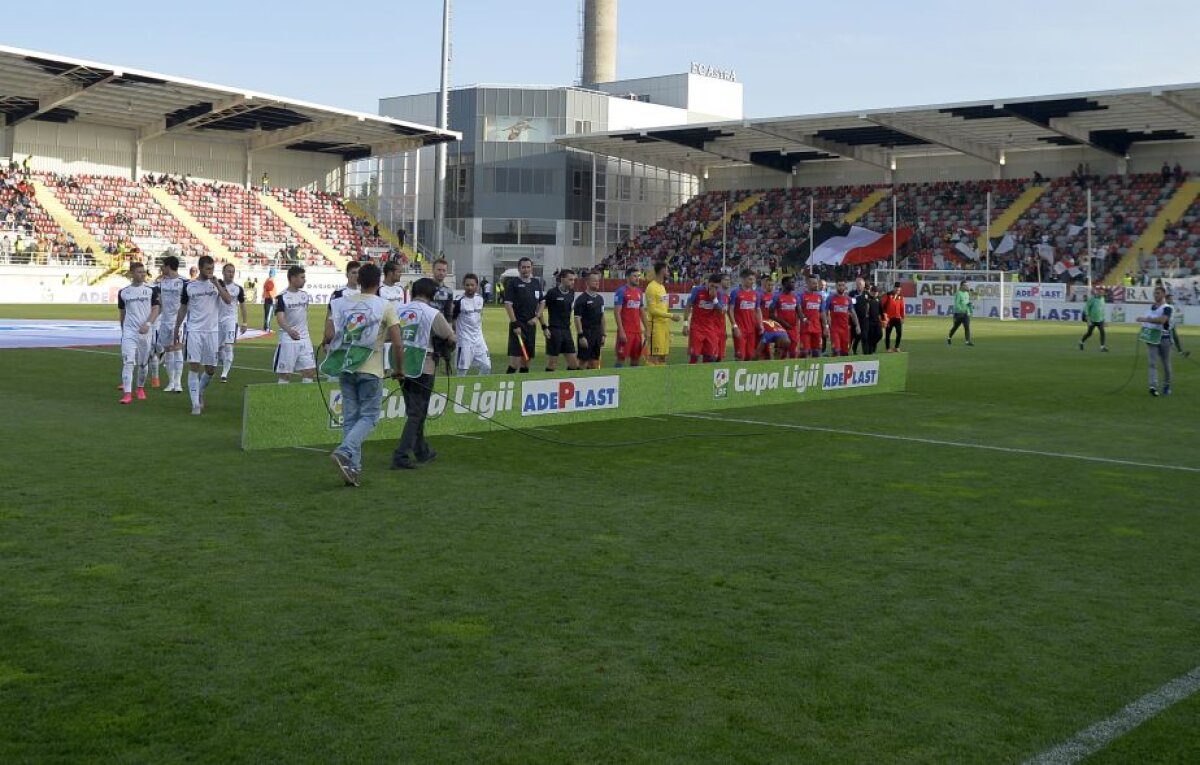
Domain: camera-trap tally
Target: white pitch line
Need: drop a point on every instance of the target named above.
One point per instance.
(116, 353)
(939, 442)
(311, 449)
(1094, 738)
(655, 419)
(463, 435)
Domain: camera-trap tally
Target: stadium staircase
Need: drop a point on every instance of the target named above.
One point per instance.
(207, 238)
(863, 207)
(1012, 214)
(358, 211)
(714, 228)
(303, 229)
(1154, 233)
(57, 211)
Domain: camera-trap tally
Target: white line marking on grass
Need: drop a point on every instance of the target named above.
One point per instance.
(117, 353)
(1091, 740)
(655, 419)
(462, 435)
(939, 442)
(311, 449)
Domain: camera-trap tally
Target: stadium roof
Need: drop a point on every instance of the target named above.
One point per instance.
(1109, 121)
(49, 88)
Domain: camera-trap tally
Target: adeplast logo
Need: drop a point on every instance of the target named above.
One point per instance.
(579, 394)
(852, 374)
(720, 383)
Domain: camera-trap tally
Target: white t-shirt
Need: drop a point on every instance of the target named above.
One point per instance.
(201, 299)
(468, 314)
(170, 291)
(293, 307)
(137, 301)
(229, 311)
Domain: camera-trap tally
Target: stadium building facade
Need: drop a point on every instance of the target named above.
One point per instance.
(512, 191)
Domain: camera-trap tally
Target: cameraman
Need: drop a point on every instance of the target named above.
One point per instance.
(420, 325)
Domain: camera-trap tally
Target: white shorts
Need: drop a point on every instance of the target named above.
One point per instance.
(164, 335)
(294, 357)
(229, 333)
(474, 354)
(135, 348)
(201, 347)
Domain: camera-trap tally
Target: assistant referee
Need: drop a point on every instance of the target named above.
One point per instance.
(523, 302)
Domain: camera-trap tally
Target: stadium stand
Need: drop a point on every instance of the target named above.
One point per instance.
(27, 232)
(122, 215)
(1181, 246)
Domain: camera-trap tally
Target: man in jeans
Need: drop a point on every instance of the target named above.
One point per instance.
(356, 329)
(421, 323)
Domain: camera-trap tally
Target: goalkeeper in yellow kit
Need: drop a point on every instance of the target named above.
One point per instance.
(657, 317)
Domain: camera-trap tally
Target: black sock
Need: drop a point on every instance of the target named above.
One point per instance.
(511, 370)
(548, 369)
(524, 370)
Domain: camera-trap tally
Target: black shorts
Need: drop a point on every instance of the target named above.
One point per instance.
(595, 341)
(514, 346)
(560, 342)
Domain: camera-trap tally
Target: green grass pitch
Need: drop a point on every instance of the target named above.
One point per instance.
(767, 595)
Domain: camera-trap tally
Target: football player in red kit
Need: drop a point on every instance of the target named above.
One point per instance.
(704, 322)
(841, 315)
(785, 309)
(812, 308)
(745, 309)
(627, 303)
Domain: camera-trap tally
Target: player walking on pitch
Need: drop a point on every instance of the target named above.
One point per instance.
(233, 319)
(199, 305)
(295, 352)
(1094, 315)
(166, 351)
(963, 308)
(138, 308)
(468, 325)
(746, 317)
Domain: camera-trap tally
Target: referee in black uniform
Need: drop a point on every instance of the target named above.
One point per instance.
(589, 322)
(523, 303)
(559, 339)
(443, 300)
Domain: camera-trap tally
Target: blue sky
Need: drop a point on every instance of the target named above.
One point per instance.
(793, 57)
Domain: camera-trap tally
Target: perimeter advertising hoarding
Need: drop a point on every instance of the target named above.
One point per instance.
(276, 416)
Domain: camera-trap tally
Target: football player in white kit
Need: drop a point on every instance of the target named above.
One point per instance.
(392, 291)
(170, 287)
(231, 327)
(138, 308)
(468, 325)
(295, 352)
(198, 305)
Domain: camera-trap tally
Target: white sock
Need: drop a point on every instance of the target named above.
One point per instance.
(127, 377)
(141, 376)
(194, 388)
(283, 381)
(205, 379)
(154, 364)
(307, 380)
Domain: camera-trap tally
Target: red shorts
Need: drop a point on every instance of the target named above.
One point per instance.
(705, 343)
(794, 337)
(839, 338)
(745, 346)
(810, 341)
(631, 348)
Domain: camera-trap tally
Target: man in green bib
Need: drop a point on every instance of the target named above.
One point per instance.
(355, 331)
(420, 323)
(1093, 314)
(963, 308)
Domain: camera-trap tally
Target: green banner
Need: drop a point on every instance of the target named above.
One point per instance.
(301, 415)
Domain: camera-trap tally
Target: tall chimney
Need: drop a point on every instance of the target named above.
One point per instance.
(599, 42)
